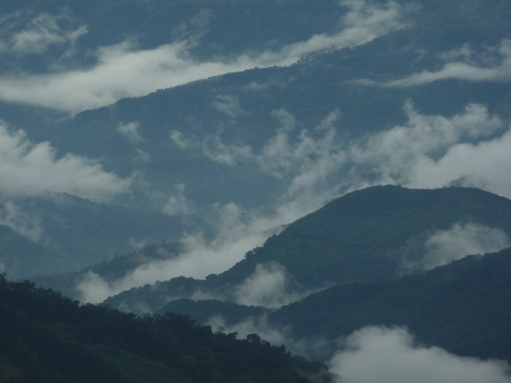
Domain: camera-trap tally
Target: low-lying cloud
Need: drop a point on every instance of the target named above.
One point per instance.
(269, 286)
(28, 169)
(382, 355)
(425, 152)
(238, 231)
(131, 131)
(124, 70)
(445, 246)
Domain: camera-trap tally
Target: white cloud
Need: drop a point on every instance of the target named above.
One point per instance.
(381, 355)
(482, 164)
(270, 286)
(216, 150)
(238, 231)
(435, 151)
(445, 246)
(29, 169)
(317, 166)
(468, 68)
(131, 131)
(124, 71)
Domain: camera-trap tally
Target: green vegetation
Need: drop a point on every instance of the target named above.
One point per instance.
(47, 338)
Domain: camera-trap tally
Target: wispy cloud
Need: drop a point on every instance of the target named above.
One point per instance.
(382, 355)
(489, 67)
(30, 169)
(131, 131)
(318, 166)
(270, 286)
(41, 32)
(123, 70)
(238, 231)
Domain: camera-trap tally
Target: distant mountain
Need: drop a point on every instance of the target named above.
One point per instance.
(292, 90)
(69, 233)
(47, 338)
(372, 234)
(462, 307)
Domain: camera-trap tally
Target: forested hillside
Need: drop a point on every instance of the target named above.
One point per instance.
(47, 338)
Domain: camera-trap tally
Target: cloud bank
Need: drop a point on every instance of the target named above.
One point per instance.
(28, 169)
(123, 70)
(382, 355)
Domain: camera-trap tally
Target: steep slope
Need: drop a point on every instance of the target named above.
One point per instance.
(376, 233)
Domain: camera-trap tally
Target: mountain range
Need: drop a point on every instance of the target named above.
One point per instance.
(329, 175)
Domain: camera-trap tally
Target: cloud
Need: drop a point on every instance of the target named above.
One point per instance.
(238, 231)
(42, 32)
(445, 246)
(435, 151)
(123, 70)
(228, 105)
(19, 221)
(307, 161)
(216, 150)
(131, 132)
(237, 234)
(382, 355)
(29, 169)
(468, 164)
(318, 167)
(178, 204)
(270, 286)
(487, 69)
